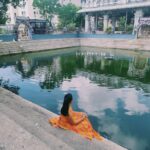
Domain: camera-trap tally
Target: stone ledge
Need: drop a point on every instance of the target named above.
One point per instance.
(25, 126)
(51, 44)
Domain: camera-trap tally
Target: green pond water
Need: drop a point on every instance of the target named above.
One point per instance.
(111, 86)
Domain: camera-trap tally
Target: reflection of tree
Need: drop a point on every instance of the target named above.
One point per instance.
(51, 70)
(23, 70)
(28, 66)
(93, 70)
(6, 85)
(138, 67)
(69, 66)
(53, 75)
(115, 81)
(65, 68)
(117, 67)
(113, 67)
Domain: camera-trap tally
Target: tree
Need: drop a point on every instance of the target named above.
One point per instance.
(4, 8)
(47, 7)
(121, 23)
(68, 15)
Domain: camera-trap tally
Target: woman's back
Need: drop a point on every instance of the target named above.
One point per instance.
(74, 121)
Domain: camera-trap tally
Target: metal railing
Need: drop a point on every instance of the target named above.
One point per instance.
(101, 3)
(7, 38)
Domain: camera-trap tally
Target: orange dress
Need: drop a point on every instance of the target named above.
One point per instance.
(84, 128)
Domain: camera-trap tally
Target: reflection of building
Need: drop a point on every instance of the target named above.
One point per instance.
(138, 67)
(26, 65)
(49, 76)
(109, 63)
(113, 81)
(109, 10)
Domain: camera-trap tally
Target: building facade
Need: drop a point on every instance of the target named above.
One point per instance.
(109, 10)
(26, 9)
(76, 2)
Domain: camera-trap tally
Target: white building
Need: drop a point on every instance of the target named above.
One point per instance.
(24, 9)
(27, 10)
(108, 10)
(76, 2)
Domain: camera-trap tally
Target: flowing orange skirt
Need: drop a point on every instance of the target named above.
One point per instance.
(84, 128)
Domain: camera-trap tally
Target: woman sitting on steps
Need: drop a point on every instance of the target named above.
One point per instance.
(74, 121)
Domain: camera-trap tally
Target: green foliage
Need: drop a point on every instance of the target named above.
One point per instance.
(4, 8)
(129, 28)
(71, 26)
(109, 30)
(100, 25)
(3, 31)
(3, 17)
(80, 20)
(68, 16)
(122, 26)
(121, 23)
(47, 7)
(59, 26)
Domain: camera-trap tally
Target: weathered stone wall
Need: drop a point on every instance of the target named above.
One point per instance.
(38, 45)
(9, 48)
(127, 44)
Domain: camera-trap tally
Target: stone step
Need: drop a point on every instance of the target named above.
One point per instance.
(33, 129)
(9, 48)
(34, 119)
(15, 137)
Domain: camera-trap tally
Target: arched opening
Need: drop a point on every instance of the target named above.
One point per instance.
(23, 29)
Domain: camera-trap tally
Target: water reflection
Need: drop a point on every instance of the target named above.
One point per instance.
(5, 84)
(138, 67)
(112, 86)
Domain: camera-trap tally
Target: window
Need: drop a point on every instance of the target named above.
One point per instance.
(23, 13)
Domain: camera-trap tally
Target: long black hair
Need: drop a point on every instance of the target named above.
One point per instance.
(66, 103)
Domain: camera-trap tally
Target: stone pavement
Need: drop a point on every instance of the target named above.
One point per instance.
(24, 126)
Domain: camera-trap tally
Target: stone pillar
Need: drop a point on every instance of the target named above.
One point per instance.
(92, 23)
(105, 22)
(113, 24)
(87, 23)
(138, 13)
(96, 21)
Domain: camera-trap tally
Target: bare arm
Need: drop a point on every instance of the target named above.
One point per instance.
(76, 112)
(75, 122)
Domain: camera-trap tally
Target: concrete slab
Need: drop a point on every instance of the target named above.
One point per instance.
(24, 125)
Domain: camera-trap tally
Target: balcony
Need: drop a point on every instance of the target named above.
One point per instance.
(104, 5)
